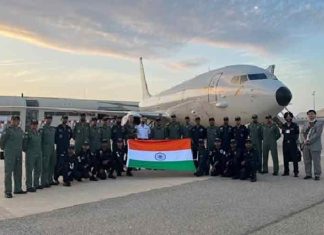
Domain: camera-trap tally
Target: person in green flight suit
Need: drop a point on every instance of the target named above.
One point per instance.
(11, 142)
(95, 135)
(173, 128)
(255, 130)
(106, 130)
(32, 146)
(270, 134)
(81, 132)
(158, 132)
(48, 151)
(212, 133)
(186, 128)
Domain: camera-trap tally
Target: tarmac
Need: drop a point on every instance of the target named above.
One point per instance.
(163, 202)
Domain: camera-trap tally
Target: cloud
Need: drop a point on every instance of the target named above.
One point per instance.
(187, 64)
(155, 29)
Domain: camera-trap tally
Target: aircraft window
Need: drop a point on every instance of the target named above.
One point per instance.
(236, 80)
(257, 76)
(243, 78)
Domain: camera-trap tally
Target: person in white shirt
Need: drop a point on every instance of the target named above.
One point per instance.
(143, 131)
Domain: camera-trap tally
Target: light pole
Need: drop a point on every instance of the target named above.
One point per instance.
(314, 92)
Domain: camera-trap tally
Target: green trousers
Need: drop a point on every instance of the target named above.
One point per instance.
(270, 147)
(33, 169)
(13, 166)
(48, 164)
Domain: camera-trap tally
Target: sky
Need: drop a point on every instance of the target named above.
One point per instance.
(90, 49)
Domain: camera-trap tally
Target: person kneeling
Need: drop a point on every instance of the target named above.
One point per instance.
(72, 168)
(217, 158)
(120, 156)
(107, 163)
(249, 162)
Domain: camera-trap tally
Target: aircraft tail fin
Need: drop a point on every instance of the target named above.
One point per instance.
(271, 68)
(145, 92)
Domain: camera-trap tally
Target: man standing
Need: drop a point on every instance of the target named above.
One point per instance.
(271, 134)
(225, 133)
(11, 142)
(173, 128)
(81, 132)
(312, 145)
(63, 135)
(255, 130)
(186, 128)
(48, 151)
(158, 132)
(117, 132)
(212, 132)
(32, 146)
(198, 132)
(106, 130)
(290, 131)
(95, 136)
(240, 134)
(143, 130)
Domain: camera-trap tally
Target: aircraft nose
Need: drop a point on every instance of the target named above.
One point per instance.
(283, 96)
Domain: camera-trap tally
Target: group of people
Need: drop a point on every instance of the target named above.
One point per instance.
(99, 151)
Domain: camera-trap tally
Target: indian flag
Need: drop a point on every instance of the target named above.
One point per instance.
(161, 154)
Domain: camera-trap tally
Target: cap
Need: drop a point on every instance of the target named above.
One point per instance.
(201, 141)
(268, 116)
(225, 118)
(34, 122)
(65, 116)
(254, 116)
(211, 119)
(15, 117)
(248, 140)
(173, 116)
(233, 141)
(187, 117)
(237, 118)
(197, 118)
(82, 115)
(94, 119)
(120, 140)
(104, 141)
(158, 119)
(48, 116)
(85, 143)
(218, 140)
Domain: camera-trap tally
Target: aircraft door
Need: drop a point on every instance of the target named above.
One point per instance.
(213, 91)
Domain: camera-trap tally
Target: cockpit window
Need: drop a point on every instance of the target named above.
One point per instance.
(244, 78)
(257, 76)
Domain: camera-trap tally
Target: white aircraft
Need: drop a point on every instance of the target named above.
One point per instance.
(236, 90)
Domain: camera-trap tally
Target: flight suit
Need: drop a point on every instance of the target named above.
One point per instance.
(81, 133)
(72, 169)
(203, 166)
(84, 166)
(106, 133)
(173, 130)
(197, 132)
(32, 146)
(95, 138)
(212, 133)
(48, 154)
(270, 135)
(248, 164)
(107, 163)
(217, 159)
(158, 132)
(120, 155)
(117, 132)
(225, 133)
(289, 146)
(240, 134)
(186, 130)
(11, 142)
(236, 156)
(130, 131)
(255, 130)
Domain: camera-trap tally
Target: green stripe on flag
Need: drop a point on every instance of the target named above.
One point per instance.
(161, 165)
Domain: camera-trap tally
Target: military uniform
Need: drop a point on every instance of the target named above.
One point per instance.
(158, 132)
(197, 132)
(186, 130)
(202, 161)
(255, 130)
(117, 132)
(225, 133)
(81, 133)
(236, 156)
(212, 133)
(289, 146)
(84, 165)
(173, 130)
(49, 157)
(106, 133)
(217, 158)
(32, 146)
(107, 163)
(95, 138)
(11, 142)
(271, 134)
(73, 172)
(248, 164)
(240, 134)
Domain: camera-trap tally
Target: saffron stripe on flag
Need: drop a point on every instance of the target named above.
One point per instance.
(153, 156)
(159, 145)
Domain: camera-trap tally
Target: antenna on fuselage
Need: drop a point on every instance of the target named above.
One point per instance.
(145, 91)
